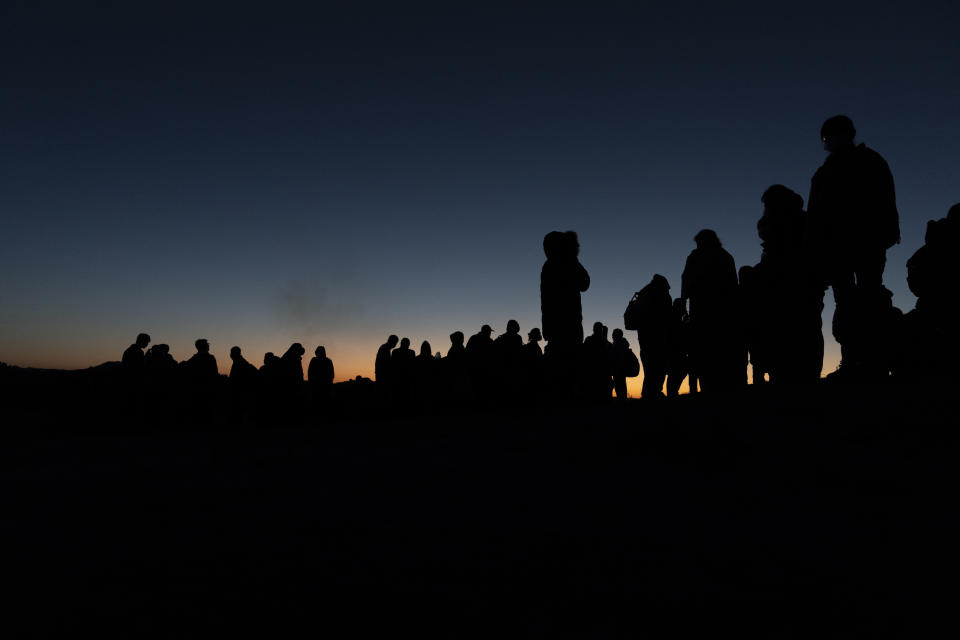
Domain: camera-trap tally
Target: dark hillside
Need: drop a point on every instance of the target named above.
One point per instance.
(827, 513)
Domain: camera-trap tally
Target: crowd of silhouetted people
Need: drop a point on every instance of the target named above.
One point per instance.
(766, 315)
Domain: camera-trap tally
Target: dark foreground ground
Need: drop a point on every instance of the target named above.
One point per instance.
(792, 514)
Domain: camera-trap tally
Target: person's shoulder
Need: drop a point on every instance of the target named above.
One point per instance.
(865, 153)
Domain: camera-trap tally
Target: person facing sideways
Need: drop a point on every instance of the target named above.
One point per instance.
(320, 375)
(133, 357)
(783, 296)
(402, 363)
(562, 280)
(620, 358)
(241, 371)
(653, 334)
(531, 349)
(381, 371)
(709, 282)
(454, 380)
(531, 357)
(291, 364)
(853, 220)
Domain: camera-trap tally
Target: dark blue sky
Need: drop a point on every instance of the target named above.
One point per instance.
(334, 172)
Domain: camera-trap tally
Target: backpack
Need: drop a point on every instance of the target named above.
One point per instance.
(633, 315)
(631, 366)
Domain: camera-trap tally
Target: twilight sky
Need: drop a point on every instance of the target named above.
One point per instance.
(332, 172)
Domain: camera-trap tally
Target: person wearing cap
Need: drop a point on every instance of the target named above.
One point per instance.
(852, 221)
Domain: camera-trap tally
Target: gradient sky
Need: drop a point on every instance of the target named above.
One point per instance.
(330, 173)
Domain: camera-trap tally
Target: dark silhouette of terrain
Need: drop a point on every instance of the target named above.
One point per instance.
(821, 510)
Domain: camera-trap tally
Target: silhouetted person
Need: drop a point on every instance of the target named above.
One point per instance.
(531, 358)
(244, 379)
(425, 381)
(133, 357)
(456, 382)
(201, 368)
(596, 373)
(932, 342)
(783, 296)
(159, 378)
(481, 364)
(654, 315)
(710, 283)
(510, 342)
(382, 365)
(562, 280)
(853, 221)
(291, 365)
(271, 365)
(457, 351)
(242, 373)
(508, 347)
(678, 350)
(383, 369)
(623, 364)
(320, 378)
(202, 378)
(402, 361)
(160, 365)
(271, 382)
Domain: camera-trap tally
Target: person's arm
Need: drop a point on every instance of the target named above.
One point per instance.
(583, 278)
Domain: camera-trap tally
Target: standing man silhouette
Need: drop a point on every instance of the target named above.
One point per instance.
(562, 280)
(853, 217)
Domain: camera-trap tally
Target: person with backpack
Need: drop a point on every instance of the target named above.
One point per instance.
(852, 211)
(623, 364)
(649, 314)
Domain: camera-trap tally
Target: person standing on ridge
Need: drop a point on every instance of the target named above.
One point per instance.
(853, 220)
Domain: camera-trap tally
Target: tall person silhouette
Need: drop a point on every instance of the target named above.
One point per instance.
(853, 219)
(562, 280)
(710, 283)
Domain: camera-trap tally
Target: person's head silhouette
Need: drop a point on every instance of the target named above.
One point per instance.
(456, 338)
(202, 345)
(235, 353)
(392, 341)
(320, 352)
(706, 238)
(660, 282)
(425, 349)
(513, 326)
(143, 340)
(617, 334)
(954, 212)
(534, 335)
(780, 198)
(837, 134)
(405, 343)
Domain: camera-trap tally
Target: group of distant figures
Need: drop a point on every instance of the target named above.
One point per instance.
(275, 388)
(767, 315)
